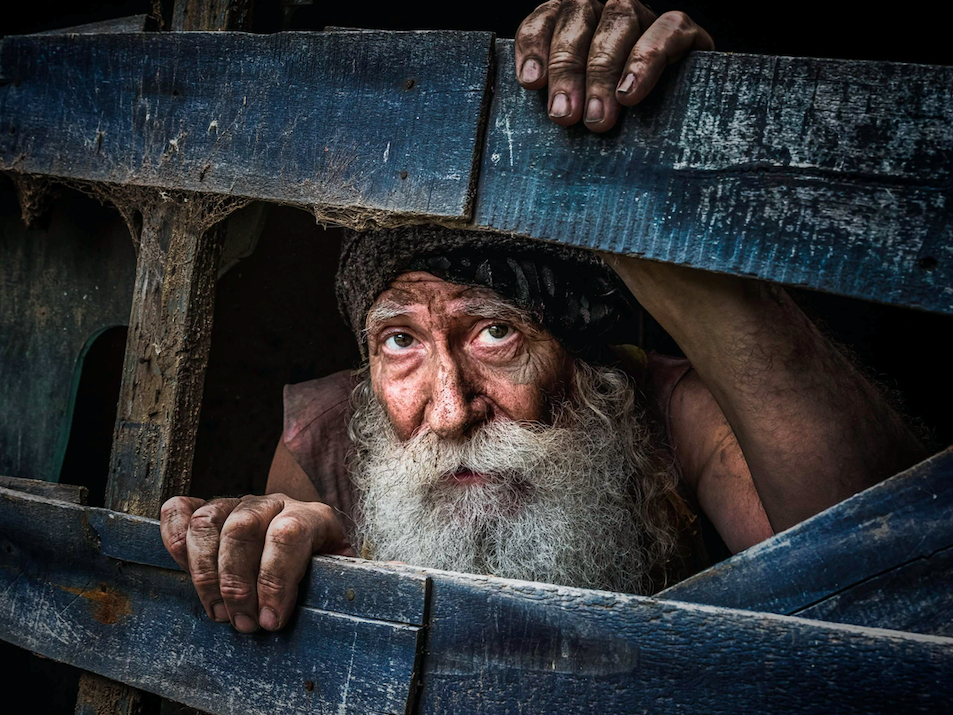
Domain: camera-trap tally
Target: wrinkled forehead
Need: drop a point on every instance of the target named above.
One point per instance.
(419, 292)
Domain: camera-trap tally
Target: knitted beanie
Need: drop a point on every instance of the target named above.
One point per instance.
(570, 291)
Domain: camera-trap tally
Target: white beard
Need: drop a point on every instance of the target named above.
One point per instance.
(582, 502)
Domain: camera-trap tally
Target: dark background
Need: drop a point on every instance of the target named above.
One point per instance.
(275, 318)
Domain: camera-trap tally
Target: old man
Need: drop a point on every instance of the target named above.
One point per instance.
(499, 424)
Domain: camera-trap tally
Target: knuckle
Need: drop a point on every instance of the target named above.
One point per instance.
(177, 543)
(243, 525)
(601, 63)
(235, 588)
(203, 578)
(577, 9)
(208, 516)
(647, 55)
(289, 529)
(273, 585)
(563, 62)
(173, 508)
(618, 9)
(677, 21)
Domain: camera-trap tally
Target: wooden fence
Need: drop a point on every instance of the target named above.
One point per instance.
(833, 175)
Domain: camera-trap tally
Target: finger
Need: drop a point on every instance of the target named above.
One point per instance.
(668, 40)
(299, 531)
(618, 29)
(174, 527)
(532, 45)
(239, 558)
(202, 542)
(575, 23)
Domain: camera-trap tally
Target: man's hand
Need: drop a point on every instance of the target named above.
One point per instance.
(598, 56)
(246, 556)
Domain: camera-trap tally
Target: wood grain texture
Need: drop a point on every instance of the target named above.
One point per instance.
(131, 23)
(166, 353)
(333, 583)
(51, 490)
(357, 124)
(881, 558)
(828, 174)
(493, 645)
(144, 626)
(498, 646)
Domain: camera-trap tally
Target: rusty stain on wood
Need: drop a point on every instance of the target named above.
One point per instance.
(111, 606)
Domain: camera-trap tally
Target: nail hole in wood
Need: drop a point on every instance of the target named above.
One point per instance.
(349, 594)
(309, 685)
(409, 83)
(403, 175)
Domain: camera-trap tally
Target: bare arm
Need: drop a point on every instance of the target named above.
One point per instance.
(812, 429)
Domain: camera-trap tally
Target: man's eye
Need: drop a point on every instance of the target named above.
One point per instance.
(399, 341)
(495, 333)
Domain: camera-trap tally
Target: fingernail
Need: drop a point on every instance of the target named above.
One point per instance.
(219, 612)
(268, 619)
(594, 110)
(244, 624)
(530, 71)
(561, 106)
(626, 85)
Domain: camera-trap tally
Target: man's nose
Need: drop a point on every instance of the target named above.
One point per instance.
(451, 411)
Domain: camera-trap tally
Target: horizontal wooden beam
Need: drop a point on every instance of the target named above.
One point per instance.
(882, 558)
(828, 174)
(51, 490)
(374, 124)
(60, 596)
(93, 588)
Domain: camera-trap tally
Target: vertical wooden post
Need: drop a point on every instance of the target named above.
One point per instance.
(164, 370)
(166, 355)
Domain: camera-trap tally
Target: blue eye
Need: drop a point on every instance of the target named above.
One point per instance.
(399, 341)
(495, 333)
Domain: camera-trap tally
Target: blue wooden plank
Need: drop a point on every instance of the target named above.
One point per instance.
(493, 645)
(880, 558)
(359, 125)
(498, 646)
(828, 174)
(333, 583)
(143, 626)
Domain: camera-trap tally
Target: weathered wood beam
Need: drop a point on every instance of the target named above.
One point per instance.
(882, 558)
(363, 126)
(131, 23)
(60, 596)
(829, 174)
(166, 351)
(493, 645)
(51, 490)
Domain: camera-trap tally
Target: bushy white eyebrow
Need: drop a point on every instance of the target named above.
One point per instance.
(499, 309)
(382, 312)
(478, 307)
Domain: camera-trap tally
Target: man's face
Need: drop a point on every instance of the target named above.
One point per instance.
(449, 358)
(482, 446)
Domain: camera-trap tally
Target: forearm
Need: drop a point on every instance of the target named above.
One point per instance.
(813, 430)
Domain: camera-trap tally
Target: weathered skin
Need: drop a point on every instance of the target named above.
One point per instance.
(769, 392)
(453, 374)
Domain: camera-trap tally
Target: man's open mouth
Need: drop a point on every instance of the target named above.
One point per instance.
(467, 477)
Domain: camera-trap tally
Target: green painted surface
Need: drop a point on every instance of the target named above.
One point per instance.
(60, 285)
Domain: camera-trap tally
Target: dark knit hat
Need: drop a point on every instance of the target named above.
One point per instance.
(570, 291)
